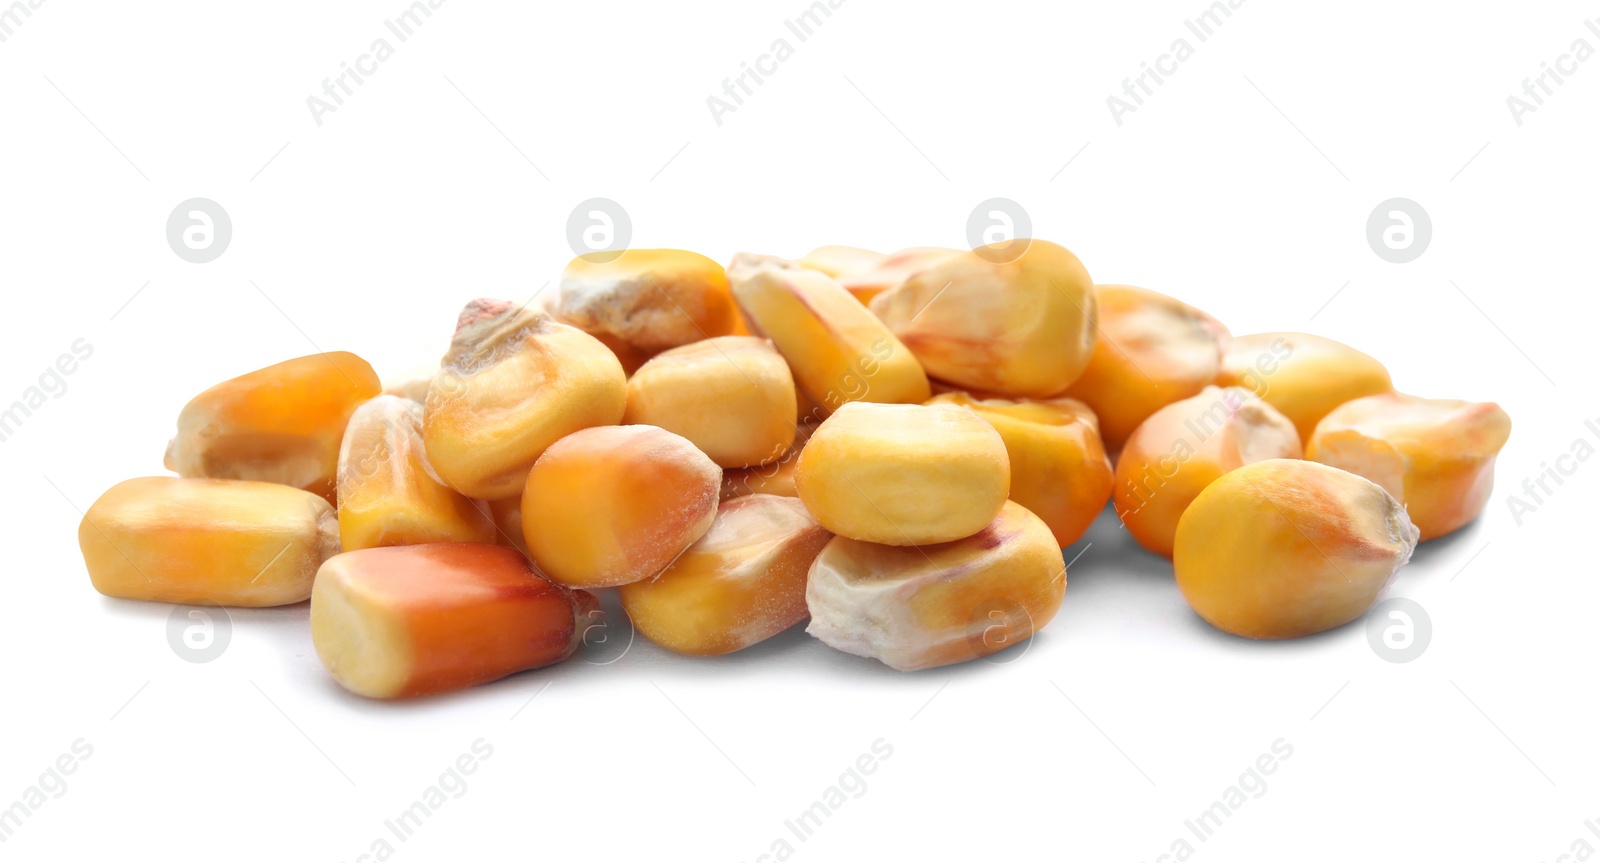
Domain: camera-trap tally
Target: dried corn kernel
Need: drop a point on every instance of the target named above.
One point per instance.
(904, 474)
(615, 504)
(515, 382)
(744, 581)
(1436, 456)
(837, 350)
(1023, 327)
(207, 541)
(731, 396)
(1285, 548)
(837, 261)
(1151, 351)
(1059, 470)
(775, 477)
(648, 299)
(278, 424)
(1302, 375)
(507, 516)
(1184, 447)
(891, 271)
(388, 493)
(914, 608)
(422, 619)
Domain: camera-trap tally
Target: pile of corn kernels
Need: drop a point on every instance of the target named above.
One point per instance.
(895, 447)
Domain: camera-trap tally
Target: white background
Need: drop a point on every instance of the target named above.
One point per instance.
(1242, 185)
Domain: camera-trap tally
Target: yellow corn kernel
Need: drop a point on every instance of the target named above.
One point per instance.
(278, 424)
(647, 299)
(515, 382)
(1183, 448)
(837, 261)
(904, 474)
(776, 477)
(207, 541)
(889, 272)
(836, 349)
(731, 396)
(615, 504)
(744, 581)
(416, 620)
(388, 494)
(1023, 327)
(1436, 456)
(1151, 351)
(914, 608)
(1059, 469)
(1302, 375)
(1284, 548)
(507, 516)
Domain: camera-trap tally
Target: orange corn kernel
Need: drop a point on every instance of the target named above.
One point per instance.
(904, 474)
(885, 273)
(615, 504)
(744, 581)
(1184, 447)
(647, 299)
(1151, 350)
(1436, 456)
(775, 477)
(279, 424)
(507, 516)
(1022, 327)
(515, 382)
(207, 541)
(914, 608)
(1302, 375)
(1059, 469)
(417, 620)
(731, 396)
(1284, 548)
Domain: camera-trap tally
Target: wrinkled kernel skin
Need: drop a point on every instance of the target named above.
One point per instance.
(1435, 455)
(1302, 375)
(837, 350)
(207, 541)
(1059, 469)
(1150, 351)
(1285, 548)
(515, 382)
(1183, 448)
(904, 474)
(743, 582)
(616, 504)
(731, 396)
(915, 608)
(408, 621)
(387, 491)
(1025, 327)
(279, 424)
(648, 300)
